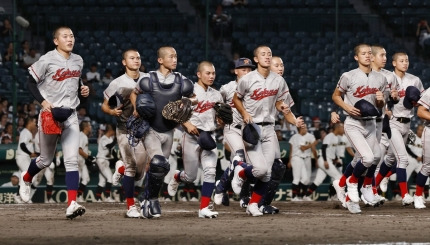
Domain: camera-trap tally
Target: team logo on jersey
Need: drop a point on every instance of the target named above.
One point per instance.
(363, 91)
(232, 104)
(203, 106)
(402, 93)
(62, 74)
(259, 94)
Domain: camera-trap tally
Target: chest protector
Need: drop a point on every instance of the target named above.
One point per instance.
(162, 95)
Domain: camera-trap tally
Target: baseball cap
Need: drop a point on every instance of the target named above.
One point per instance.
(251, 133)
(243, 62)
(366, 108)
(16, 174)
(412, 95)
(205, 141)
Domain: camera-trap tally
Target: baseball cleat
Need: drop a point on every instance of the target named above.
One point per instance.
(237, 181)
(367, 193)
(384, 184)
(353, 207)
(207, 213)
(407, 200)
(24, 188)
(133, 213)
(253, 210)
(116, 177)
(340, 191)
(268, 209)
(74, 210)
(352, 191)
(244, 202)
(144, 210)
(419, 202)
(307, 198)
(172, 188)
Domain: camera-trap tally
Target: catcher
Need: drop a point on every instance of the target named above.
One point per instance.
(199, 140)
(164, 86)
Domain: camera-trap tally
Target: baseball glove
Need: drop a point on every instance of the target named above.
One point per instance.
(49, 125)
(224, 112)
(178, 111)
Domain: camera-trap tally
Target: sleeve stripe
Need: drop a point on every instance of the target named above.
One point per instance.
(38, 78)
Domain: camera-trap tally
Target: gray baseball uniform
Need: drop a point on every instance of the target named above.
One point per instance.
(259, 96)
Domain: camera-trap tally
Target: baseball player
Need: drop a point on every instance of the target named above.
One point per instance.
(258, 96)
(302, 146)
(328, 160)
(378, 61)
(84, 156)
(402, 112)
(54, 83)
(233, 133)
(117, 103)
(48, 173)
(414, 147)
(201, 124)
(163, 85)
(422, 176)
(175, 153)
(25, 151)
(104, 154)
(277, 65)
(363, 88)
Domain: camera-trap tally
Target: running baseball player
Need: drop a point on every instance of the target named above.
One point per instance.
(423, 113)
(277, 65)
(84, 157)
(363, 88)
(378, 61)
(163, 86)
(175, 153)
(258, 96)
(117, 103)
(409, 93)
(199, 129)
(233, 133)
(328, 160)
(54, 83)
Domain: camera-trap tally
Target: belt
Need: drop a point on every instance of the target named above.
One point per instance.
(378, 119)
(403, 119)
(264, 123)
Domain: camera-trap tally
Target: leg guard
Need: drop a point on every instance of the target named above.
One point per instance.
(158, 168)
(278, 171)
(224, 182)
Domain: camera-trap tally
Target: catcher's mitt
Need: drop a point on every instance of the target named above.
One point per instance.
(178, 111)
(136, 130)
(224, 112)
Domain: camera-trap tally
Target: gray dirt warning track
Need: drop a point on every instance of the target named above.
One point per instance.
(298, 223)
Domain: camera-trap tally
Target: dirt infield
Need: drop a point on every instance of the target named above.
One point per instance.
(298, 223)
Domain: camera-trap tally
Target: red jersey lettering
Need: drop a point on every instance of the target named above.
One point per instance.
(61, 75)
(203, 106)
(259, 94)
(363, 91)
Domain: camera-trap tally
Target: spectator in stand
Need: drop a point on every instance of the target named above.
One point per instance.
(234, 3)
(7, 56)
(6, 29)
(14, 180)
(30, 58)
(221, 24)
(32, 110)
(25, 49)
(3, 121)
(107, 78)
(82, 115)
(316, 125)
(423, 32)
(93, 75)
